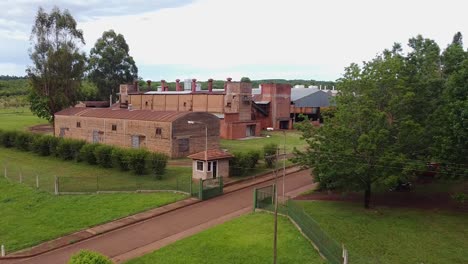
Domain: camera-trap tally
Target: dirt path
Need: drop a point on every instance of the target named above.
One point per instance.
(144, 237)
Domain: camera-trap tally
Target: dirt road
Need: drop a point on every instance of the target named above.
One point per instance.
(138, 239)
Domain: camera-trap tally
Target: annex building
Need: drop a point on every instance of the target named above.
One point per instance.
(169, 132)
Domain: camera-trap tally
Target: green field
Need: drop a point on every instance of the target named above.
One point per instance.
(394, 235)
(29, 217)
(293, 139)
(247, 239)
(79, 176)
(18, 119)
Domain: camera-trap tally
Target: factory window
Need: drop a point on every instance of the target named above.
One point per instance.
(158, 131)
(78, 124)
(199, 165)
(114, 127)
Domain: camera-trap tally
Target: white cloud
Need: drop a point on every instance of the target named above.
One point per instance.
(12, 69)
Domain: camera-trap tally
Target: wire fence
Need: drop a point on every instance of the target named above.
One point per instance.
(327, 246)
(98, 183)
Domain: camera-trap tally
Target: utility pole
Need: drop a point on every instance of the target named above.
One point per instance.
(284, 160)
(276, 208)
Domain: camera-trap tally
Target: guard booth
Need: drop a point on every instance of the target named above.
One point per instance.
(209, 167)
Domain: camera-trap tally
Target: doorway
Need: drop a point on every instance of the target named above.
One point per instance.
(250, 130)
(213, 168)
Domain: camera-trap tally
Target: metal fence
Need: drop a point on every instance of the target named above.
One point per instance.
(96, 183)
(209, 188)
(264, 198)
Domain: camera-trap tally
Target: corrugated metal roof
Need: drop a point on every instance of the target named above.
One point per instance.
(298, 93)
(213, 154)
(144, 115)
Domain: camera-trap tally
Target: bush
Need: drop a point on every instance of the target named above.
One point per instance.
(269, 153)
(103, 153)
(121, 158)
(137, 160)
(158, 163)
(36, 143)
(87, 153)
(69, 149)
(23, 141)
(253, 156)
(41, 145)
(238, 165)
(89, 257)
(8, 139)
(53, 143)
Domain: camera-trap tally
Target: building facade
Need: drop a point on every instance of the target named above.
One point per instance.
(169, 132)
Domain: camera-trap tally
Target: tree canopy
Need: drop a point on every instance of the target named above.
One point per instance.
(57, 63)
(110, 64)
(393, 114)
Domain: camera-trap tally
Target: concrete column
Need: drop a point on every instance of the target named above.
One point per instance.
(194, 85)
(163, 85)
(149, 84)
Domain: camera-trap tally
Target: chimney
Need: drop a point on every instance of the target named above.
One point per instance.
(229, 79)
(194, 85)
(149, 84)
(163, 85)
(210, 85)
(177, 85)
(135, 84)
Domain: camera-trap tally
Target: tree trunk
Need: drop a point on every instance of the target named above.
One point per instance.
(367, 196)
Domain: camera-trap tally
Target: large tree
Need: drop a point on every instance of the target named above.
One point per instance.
(58, 64)
(110, 64)
(377, 133)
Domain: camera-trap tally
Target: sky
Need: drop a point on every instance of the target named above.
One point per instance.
(260, 39)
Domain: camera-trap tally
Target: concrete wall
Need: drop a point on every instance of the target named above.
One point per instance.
(223, 169)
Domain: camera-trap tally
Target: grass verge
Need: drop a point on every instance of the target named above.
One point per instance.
(247, 239)
(18, 119)
(394, 235)
(293, 139)
(30, 217)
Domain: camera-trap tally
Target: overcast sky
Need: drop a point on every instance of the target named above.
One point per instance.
(204, 39)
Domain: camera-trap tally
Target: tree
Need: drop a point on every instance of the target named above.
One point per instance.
(110, 64)
(373, 137)
(245, 79)
(58, 64)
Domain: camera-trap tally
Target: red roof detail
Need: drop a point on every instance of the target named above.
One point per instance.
(213, 154)
(145, 115)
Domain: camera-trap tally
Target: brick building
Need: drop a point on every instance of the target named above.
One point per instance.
(210, 164)
(240, 114)
(168, 132)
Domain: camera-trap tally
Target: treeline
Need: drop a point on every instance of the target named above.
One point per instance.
(13, 86)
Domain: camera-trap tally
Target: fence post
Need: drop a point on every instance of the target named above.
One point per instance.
(3, 250)
(56, 185)
(345, 255)
(255, 199)
(200, 190)
(37, 181)
(221, 184)
(177, 182)
(97, 183)
(21, 176)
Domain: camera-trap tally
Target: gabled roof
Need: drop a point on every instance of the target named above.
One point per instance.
(213, 154)
(298, 93)
(112, 113)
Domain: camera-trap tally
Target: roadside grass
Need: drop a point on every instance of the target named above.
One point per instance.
(79, 176)
(18, 119)
(293, 139)
(393, 235)
(247, 239)
(29, 217)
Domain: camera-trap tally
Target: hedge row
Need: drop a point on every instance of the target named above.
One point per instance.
(243, 161)
(139, 160)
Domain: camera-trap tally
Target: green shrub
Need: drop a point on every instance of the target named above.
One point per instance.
(8, 139)
(69, 149)
(87, 153)
(158, 163)
(269, 154)
(89, 257)
(121, 159)
(253, 156)
(53, 143)
(23, 141)
(36, 143)
(137, 160)
(238, 165)
(102, 153)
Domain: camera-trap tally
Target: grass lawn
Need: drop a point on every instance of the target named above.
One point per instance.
(394, 235)
(29, 217)
(247, 239)
(18, 119)
(83, 177)
(293, 139)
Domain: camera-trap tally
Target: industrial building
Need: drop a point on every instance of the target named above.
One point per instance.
(168, 132)
(240, 114)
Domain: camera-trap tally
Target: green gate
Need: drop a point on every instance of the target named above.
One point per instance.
(264, 197)
(210, 188)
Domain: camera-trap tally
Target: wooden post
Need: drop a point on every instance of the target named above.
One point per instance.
(6, 177)
(56, 186)
(345, 255)
(37, 181)
(3, 250)
(255, 199)
(21, 176)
